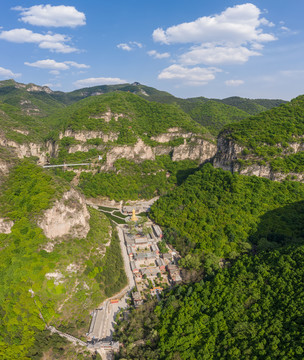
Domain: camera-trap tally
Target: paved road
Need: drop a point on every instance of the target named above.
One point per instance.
(104, 325)
(125, 258)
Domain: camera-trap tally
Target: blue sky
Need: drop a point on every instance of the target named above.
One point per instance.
(186, 47)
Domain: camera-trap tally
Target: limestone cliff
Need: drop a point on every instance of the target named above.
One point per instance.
(230, 156)
(41, 151)
(202, 151)
(85, 135)
(5, 226)
(68, 217)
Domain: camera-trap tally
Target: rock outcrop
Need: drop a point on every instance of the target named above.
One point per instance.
(68, 217)
(41, 151)
(228, 153)
(6, 226)
(201, 151)
(86, 135)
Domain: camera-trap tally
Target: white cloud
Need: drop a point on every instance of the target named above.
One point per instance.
(234, 82)
(190, 76)
(56, 66)
(236, 25)
(131, 45)
(53, 42)
(266, 22)
(135, 43)
(125, 47)
(213, 55)
(52, 16)
(231, 37)
(158, 55)
(98, 81)
(78, 66)
(7, 74)
(48, 64)
(292, 73)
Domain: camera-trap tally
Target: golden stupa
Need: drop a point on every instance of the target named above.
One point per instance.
(134, 217)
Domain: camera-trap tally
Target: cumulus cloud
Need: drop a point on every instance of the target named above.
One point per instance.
(8, 74)
(234, 82)
(231, 37)
(78, 66)
(158, 55)
(50, 41)
(48, 64)
(55, 66)
(52, 16)
(131, 45)
(190, 76)
(124, 46)
(99, 81)
(236, 25)
(214, 55)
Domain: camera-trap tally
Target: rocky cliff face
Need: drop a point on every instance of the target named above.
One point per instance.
(228, 153)
(68, 217)
(86, 135)
(41, 151)
(202, 151)
(5, 226)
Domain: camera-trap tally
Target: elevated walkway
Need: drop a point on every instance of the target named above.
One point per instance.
(65, 165)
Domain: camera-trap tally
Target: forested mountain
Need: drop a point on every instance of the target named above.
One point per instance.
(252, 310)
(249, 309)
(31, 99)
(214, 115)
(269, 142)
(218, 213)
(137, 143)
(58, 276)
(41, 101)
(134, 115)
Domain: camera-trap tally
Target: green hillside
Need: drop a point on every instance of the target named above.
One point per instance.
(267, 137)
(19, 127)
(25, 288)
(39, 102)
(215, 212)
(252, 106)
(140, 118)
(253, 310)
(144, 91)
(132, 181)
(214, 115)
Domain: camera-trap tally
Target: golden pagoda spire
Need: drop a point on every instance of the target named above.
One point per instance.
(134, 217)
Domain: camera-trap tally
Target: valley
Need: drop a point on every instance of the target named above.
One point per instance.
(213, 249)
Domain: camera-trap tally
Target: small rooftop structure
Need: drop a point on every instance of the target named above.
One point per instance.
(145, 255)
(137, 299)
(134, 267)
(157, 231)
(174, 273)
(155, 290)
(150, 272)
(141, 240)
(161, 264)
